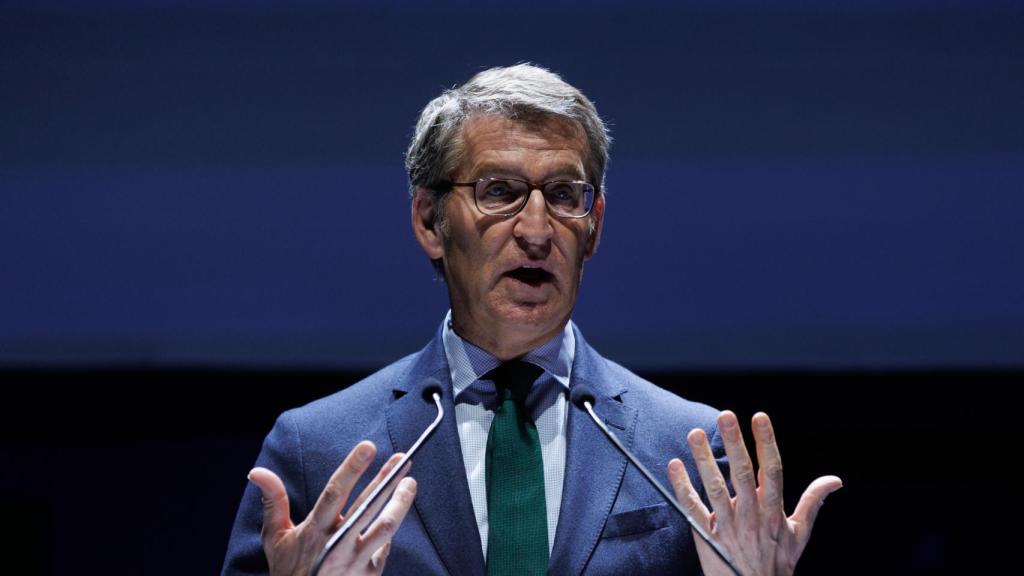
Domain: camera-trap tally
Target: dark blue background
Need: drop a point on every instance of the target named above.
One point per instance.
(792, 185)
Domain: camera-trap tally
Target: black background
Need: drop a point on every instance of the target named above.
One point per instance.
(140, 471)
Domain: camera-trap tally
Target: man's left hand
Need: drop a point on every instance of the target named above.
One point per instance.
(752, 525)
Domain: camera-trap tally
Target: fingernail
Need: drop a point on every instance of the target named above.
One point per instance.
(364, 453)
(410, 485)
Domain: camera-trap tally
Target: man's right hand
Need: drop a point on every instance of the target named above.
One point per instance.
(291, 549)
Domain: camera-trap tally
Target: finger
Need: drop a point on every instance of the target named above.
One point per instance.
(741, 469)
(384, 527)
(810, 503)
(379, 558)
(276, 514)
(686, 494)
(770, 463)
(384, 471)
(711, 476)
(328, 505)
(383, 498)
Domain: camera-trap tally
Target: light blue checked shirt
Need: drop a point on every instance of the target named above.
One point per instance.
(548, 397)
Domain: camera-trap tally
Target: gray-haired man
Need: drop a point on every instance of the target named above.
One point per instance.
(506, 174)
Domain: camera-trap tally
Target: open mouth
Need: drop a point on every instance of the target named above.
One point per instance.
(532, 276)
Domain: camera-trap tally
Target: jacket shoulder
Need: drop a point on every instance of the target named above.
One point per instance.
(664, 418)
(657, 402)
(357, 407)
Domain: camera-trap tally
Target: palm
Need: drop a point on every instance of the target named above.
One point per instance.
(751, 525)
(292, 549)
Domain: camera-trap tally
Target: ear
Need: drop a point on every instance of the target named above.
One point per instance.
(597, 218)
(424, 217)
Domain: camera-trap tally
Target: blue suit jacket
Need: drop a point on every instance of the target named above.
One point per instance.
(612, 521)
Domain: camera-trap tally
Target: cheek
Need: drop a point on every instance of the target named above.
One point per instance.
(575, 244)
(458, 237)
(471, 257)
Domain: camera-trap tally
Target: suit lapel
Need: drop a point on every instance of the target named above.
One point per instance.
(442, 500)
(593, 468)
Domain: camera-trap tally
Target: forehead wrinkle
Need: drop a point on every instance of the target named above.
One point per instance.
(494, 169)
(549, 136)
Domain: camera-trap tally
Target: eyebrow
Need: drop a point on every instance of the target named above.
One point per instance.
(485, 170)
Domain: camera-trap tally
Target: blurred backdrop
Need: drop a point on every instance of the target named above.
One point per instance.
(814, 209)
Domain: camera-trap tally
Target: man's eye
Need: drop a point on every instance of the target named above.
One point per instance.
(498, 190)
(563, 193)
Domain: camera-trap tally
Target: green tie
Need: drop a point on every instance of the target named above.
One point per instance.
(517, 537)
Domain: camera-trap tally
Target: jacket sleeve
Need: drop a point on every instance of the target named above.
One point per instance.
(282, 454)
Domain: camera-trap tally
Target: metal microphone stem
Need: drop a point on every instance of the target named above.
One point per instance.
(722, 553)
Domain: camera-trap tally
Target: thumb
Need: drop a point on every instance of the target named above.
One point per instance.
(810, 503)
(276, 514)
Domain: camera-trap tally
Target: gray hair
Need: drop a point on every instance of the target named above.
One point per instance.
(522, 91)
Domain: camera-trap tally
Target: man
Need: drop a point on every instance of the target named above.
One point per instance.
(506, 174)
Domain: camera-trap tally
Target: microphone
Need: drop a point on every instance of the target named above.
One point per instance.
(430, 393)
(584, 399)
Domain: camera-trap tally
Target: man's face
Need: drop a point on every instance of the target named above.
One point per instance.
(513, 280)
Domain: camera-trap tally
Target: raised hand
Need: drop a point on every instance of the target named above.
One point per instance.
(291, 549)
(752, 525)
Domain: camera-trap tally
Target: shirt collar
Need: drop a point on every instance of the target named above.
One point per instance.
(468, 362)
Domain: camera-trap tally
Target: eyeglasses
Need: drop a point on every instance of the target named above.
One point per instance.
(507, 196)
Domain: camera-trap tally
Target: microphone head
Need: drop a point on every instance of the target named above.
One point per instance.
(430, 390)
(580, 394)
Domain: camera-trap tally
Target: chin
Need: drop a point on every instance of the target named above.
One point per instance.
(531, 316)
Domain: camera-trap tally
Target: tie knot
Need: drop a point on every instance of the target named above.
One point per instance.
(514, 379)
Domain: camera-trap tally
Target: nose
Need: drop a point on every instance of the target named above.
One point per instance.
(533, 225)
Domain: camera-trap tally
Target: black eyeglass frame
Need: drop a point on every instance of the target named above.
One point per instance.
(589, 194)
